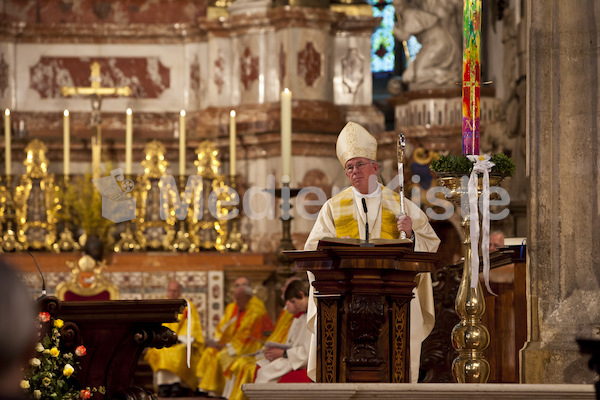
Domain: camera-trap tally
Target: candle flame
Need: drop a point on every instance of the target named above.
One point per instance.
(7, 112)
(286, 90)
(182, 113)
(66, 113)
(129, 112)
(232, 113)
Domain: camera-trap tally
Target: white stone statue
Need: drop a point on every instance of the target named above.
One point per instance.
(437, 26)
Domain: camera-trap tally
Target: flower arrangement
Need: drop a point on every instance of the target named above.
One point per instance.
(503, 165)
(50, 375)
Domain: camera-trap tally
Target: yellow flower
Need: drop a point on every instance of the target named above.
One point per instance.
(54, 352)
(58, 323)
(481, 158)
(68, 370)
(24, 384)
(37, 394)
(46, 381)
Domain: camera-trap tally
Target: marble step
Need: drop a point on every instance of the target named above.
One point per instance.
(429, 391)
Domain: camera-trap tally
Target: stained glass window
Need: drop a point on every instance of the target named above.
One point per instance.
(383, 42)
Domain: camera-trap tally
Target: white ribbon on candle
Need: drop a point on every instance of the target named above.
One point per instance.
(484, 165)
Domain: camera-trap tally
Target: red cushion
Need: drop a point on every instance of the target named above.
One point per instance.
(297, 376)
(70, 296)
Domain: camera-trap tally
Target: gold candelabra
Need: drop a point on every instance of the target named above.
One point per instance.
(470, 337)
(182, 241)
(8, 215)
(233, 240)
(66, 242)
(127, 240)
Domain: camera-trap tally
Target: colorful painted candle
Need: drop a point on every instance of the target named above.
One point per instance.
(471, 76)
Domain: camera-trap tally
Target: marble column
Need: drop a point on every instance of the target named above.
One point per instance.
(564, 225)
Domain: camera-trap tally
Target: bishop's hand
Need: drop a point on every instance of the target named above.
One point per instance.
(404, 223)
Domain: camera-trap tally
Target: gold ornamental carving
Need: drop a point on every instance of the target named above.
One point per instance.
(36, 200)
(328, 332)
(400, 333)
(218, 8)
(7, 217)
(209, 230)
(86, 279)
(152, 232)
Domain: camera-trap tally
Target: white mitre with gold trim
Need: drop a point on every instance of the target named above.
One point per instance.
(355, 141)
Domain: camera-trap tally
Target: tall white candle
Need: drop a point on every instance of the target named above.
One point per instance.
(7, 149)
(96, 155)
(286, 132)
(66, 144)
(232, 134)
(128, 140)
(182, 143)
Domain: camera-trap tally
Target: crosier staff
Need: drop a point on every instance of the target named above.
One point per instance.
(401, 145)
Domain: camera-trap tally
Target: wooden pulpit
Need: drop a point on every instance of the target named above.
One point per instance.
(364, 293)
(114, 333)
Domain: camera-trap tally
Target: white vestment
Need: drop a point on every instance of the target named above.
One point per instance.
(422, 311)
(297, 354)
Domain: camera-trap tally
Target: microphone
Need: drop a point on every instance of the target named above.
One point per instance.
(364, 204)
(42, 275)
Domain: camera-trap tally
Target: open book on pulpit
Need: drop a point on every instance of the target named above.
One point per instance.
(330, 241)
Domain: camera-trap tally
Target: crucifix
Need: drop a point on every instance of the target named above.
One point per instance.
(95, 92)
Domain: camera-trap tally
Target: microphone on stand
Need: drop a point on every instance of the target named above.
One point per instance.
(42, 275)
(366, 243)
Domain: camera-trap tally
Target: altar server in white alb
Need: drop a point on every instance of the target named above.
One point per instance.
(343, 216)
(293, 355)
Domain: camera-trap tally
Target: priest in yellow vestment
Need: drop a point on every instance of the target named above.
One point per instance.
(240, 331)
(343, 216)
(243, 370)
(172, 375)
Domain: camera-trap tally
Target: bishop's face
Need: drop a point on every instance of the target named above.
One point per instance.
(359, 170)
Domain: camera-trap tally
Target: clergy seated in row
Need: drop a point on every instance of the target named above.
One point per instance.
(171, 373)
(240, 331)
(343, 216)
(243, 370)
(287, 363)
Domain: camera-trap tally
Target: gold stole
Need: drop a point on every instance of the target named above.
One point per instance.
(346, 223)
(282, 327)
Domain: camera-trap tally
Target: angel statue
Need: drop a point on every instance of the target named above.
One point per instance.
(437, 26)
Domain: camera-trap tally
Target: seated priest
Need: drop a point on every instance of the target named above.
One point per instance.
(243, 370)
(287, 363)
(496, 240)
(240, 331)
(171, 372)
(343, 216)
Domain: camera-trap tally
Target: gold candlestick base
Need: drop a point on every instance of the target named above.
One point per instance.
(7, 213)
(470, 337)
(127, 242)
(182, 241)
(233, 240)
(66, 242)
(10, 242)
